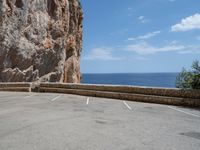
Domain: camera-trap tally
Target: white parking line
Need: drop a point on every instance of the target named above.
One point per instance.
(191, 114)
(30, 96)
(127, 105)
(57, 97)
(87, 102)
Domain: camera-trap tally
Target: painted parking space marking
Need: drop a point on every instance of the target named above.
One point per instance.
(191, 114)
(55, 98)
(88, 100)
(127, 105)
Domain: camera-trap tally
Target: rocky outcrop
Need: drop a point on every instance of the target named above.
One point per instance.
(40, 40)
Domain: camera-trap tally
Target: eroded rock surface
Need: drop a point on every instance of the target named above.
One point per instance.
(40, 40)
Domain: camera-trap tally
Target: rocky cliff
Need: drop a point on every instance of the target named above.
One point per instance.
(40, 40)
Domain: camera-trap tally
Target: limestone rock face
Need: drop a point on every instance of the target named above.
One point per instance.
(40, 40)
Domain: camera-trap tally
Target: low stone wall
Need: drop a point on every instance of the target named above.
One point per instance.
(170, 96)
(169, 92)
(143, 94)
(16, 87)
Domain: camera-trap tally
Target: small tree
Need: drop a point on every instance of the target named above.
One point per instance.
(189, 79)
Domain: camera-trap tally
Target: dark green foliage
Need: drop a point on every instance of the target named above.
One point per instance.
(195, 82)
(182, 80)
(189, 79)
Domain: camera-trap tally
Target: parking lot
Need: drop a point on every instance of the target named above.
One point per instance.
(50, 121)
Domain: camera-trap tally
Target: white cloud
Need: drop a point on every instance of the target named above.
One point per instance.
(101, 54)
(142, 19)
(188, 23)
(146, 36)
(191, 49)
(144, 48)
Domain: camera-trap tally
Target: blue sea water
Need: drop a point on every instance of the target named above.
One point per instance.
(135, 79)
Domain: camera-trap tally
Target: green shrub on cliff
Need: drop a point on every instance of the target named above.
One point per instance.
(189, 79)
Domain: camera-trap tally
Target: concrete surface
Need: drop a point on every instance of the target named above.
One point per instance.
(43, 121)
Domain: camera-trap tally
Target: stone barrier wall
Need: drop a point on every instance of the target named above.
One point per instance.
(168, 92)
(170, 96)
(16, 87)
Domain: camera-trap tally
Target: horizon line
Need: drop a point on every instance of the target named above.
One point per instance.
(124, 72)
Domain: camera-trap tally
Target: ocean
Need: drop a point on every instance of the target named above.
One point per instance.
(135, 79)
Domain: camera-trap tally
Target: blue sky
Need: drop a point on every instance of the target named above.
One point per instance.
(136, 36)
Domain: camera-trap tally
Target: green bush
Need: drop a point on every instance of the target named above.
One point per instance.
(189, 79)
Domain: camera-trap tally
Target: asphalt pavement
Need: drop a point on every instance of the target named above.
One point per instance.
(50, 121)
